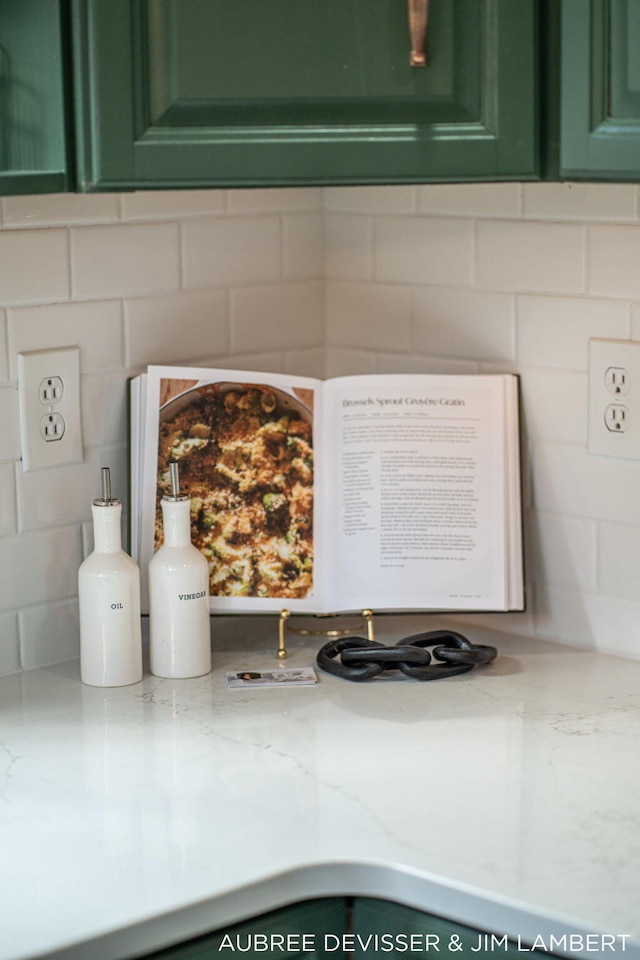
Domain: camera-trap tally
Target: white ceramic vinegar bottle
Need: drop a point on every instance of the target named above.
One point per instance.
(179, 623)
(109, 595)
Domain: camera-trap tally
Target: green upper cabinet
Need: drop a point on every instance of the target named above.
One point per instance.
(33, 134)
(600, 90)
(192, 93)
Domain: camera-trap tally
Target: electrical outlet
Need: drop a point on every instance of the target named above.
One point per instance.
(614, 398)
(616, 418)
(616, 380)
(49, 402)
(51, 390)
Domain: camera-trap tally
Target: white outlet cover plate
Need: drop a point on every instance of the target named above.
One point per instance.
(33, 368)
(604, 354)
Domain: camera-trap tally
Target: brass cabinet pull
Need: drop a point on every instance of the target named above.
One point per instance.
(418, 15)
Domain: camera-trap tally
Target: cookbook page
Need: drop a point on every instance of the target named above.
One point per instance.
(417, 465)
(246, 444)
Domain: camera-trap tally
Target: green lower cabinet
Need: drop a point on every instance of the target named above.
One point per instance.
(195, 93)
(298, 931)
(600, 90)
(336, 928)
(394, 925)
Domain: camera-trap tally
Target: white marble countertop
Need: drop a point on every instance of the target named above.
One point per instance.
(507, 798)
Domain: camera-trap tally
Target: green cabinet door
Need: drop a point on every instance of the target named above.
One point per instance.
(189, 93)
(292, 933)
(600, 90)
(394, 925)
(33, 139)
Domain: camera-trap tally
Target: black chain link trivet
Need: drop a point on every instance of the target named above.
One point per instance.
(361, 659)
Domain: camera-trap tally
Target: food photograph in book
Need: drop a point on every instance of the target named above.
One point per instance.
(245, 458)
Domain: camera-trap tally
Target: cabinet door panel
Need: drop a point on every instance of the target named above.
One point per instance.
(213, 63)
(207, 92)
(33, 149)
(600, 90)
(394, 923)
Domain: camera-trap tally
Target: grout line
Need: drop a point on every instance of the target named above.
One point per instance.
(181, 256)
(586, 250)
(70, 262)
(474, 255)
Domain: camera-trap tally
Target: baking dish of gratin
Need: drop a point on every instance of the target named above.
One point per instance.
(245, 453)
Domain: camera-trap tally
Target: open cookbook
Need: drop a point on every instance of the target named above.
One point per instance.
(389, 492)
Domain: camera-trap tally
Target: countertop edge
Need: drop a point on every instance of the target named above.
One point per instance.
(393, 882)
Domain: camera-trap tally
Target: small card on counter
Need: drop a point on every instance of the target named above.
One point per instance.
(289, 677)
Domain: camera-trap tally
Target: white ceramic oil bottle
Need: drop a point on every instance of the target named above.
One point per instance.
(109, 594)
(179, 624)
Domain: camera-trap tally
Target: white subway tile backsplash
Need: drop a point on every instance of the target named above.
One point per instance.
(305, 363)
(614, 259)
(348, 247)
(563, 550)
(172, 204)
(588, 620)
(614, 624)
(287, 314)
(4, 347)
(94, 325)
(463, 323)
(232, 250)
(437, 278)
(342, 362)
(63, 495)
(471, 199)
(424, 250)
(49, 634)
(177, 328)
(569, 480)
(9, 644)
(60, 208)
(34, 265)
(119, 261)
(267, 362)
(554, 404)
(560, 612)
(580, 201)
(8, 505)
(9, 425)
(39, 566)
(274, 200)
(555, 331)
(371, 200)
(421, 363)
(635, 321)
(619, 561)
(375, 316)
(103, 398)
(529, 256)
(303, 251)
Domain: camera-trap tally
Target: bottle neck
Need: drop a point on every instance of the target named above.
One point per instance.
(107, 536)
(176, 519)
